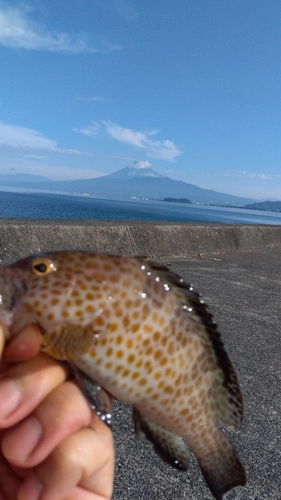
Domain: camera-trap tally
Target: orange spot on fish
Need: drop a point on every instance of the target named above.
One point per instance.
(114, 278)
(157, 354)
(126, 321)
(107, 267)
(147, 328)
(143, 381)
(156, 336)
(168, 389)
(99, 321)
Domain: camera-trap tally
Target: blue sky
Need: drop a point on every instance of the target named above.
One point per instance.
(191, 88)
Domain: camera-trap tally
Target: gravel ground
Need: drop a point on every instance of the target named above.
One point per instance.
(243, 292)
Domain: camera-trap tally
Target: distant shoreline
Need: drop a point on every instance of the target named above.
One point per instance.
(266, 206)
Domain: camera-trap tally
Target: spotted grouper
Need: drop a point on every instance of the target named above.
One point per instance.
(133, 330)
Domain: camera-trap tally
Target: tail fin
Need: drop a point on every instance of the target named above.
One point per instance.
(222, 471)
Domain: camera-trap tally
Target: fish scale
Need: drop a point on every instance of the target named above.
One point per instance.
(138, 332)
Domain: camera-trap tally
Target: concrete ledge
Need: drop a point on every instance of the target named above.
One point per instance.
(19, 237)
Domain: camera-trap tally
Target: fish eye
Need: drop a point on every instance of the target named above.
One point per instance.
(42, 266)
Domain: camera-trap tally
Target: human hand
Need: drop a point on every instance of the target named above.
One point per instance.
(53, 446)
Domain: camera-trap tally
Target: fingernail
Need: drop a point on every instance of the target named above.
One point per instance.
(31, 489)
(10, 397)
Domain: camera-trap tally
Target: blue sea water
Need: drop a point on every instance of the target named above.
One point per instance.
(58, 206)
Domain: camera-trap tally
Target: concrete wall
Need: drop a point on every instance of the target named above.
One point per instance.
(19, 237)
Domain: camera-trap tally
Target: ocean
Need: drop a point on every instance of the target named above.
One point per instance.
(44, 205)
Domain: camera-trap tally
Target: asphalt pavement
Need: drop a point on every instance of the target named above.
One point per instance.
(243, 292)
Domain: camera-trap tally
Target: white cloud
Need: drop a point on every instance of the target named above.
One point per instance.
(262, 177)
(29, 142)
(95, 98)
(14, 136)
(89, 131)
(243, 174)
(142, 164)
(161, 150)
(18, 30)
(22, 141)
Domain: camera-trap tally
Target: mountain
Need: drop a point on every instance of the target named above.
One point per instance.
(271, 206)
(21, 180)
(138, 182)
(133, 172)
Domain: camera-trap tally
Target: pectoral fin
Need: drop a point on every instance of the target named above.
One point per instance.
(99, 400)
(170, 447)
(67, 341)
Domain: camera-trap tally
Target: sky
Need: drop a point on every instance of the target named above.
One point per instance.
(190, 88)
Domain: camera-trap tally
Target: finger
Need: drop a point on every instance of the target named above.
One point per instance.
(62, 413)
(23, 387)
(23, 346)
(80, 468)
(9, 481)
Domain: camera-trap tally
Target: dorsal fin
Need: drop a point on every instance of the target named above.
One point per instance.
(229, 401)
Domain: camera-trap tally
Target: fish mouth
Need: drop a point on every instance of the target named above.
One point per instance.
(11, 293)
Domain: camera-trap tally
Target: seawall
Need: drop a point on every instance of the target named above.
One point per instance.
(19, 237)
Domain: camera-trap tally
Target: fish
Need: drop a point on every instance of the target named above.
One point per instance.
(133, 330)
